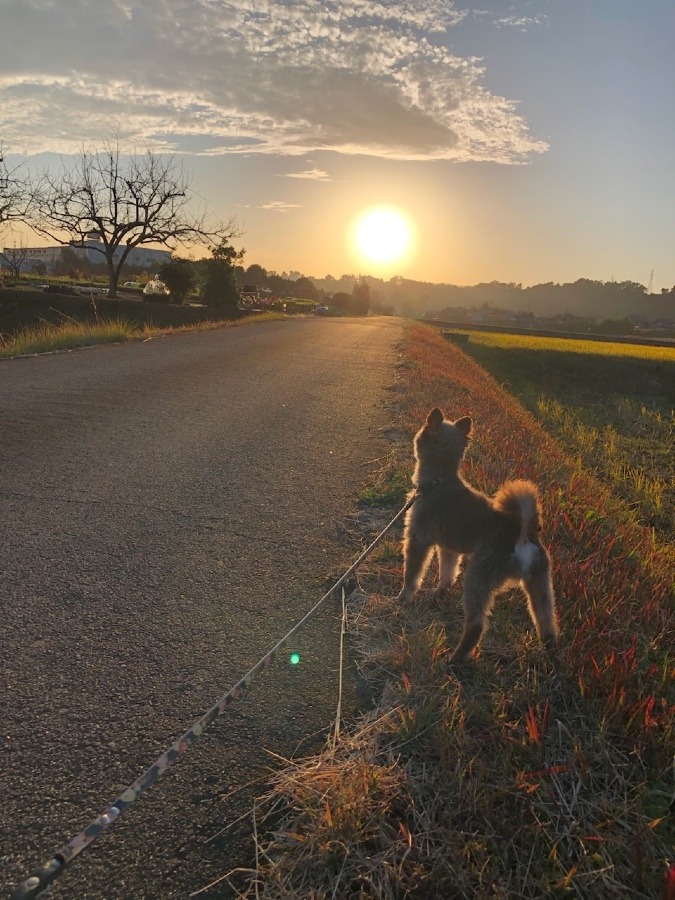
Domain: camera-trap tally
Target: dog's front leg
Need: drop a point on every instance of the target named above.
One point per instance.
(416, 559)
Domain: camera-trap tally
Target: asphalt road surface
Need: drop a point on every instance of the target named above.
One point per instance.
(168, 510)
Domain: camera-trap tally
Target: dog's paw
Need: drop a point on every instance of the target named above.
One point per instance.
(556, 659)
(459, 659)
(405, 595)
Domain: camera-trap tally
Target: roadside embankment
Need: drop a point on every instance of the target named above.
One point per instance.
(515, 776)
(21, 309)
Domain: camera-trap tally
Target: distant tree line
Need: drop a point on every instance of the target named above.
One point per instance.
(584, 297)
(113, 203)
(356, 301)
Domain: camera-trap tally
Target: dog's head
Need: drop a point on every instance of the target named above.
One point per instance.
(440, 444)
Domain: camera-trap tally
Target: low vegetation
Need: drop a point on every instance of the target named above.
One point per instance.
(69, 335)
(30, 307)
(512, 777)
(46, 338)
(611, 406)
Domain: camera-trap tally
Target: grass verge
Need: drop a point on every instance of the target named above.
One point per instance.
(508, 778)
(70, 334)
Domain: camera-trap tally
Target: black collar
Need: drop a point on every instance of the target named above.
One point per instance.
(427, 486)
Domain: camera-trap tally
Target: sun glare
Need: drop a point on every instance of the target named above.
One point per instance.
(382, 235)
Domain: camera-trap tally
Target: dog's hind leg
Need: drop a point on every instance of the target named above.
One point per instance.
(448, 566)
(480, 585)
(416, 560)
(541, 601)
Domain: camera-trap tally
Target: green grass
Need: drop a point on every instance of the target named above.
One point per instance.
(631, 449)
(391, 489)
(609, 404)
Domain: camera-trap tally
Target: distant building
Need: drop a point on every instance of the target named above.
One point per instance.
(49, 257)
(140, 257)
(31, 258)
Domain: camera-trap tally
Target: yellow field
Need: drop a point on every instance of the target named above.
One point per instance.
(569, 345)
(610, 405)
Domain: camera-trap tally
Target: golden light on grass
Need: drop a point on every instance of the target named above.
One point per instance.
(69, 334)
(382, 236)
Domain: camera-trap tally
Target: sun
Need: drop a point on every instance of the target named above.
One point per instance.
(382, 235)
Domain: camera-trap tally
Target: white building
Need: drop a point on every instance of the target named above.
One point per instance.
(139, 257)
(29, 258)
(49, 257)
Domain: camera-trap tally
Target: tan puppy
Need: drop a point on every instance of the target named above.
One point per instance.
(501, 534)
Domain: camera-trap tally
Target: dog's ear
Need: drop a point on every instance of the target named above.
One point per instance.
(465, 426)
(434, 418)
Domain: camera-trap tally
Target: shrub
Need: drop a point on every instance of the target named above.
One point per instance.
(179, 276)
(220, 288)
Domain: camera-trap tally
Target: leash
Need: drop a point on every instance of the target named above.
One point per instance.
(42, 878)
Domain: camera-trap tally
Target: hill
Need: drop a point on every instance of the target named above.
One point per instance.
(584, 297)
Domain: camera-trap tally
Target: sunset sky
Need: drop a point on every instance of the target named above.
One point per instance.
(528, 141)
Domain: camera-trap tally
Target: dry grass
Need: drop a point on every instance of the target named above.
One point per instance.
(509, 778)
(47, 338)
(70, 334)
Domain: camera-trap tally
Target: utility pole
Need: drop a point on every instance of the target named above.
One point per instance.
(651, 282)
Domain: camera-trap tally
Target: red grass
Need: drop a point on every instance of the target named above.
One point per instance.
(517, 778)
(615, 590)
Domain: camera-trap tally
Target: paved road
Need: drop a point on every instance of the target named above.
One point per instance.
(167, 510)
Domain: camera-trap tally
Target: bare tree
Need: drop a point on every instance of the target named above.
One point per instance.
(14, 192)
(110, 203)
(14, 258)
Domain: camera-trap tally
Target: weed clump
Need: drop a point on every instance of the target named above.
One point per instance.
(47, 338)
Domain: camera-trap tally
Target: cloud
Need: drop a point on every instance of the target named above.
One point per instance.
(240, 76)
(311, 174)
(279, 206)
(522, 22)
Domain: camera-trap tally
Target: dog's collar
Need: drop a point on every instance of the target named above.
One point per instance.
(426, 487)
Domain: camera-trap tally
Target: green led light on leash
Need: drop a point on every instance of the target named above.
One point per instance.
(295, 659)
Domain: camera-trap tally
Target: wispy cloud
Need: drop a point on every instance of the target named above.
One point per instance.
(265, 76)
(278, 206)
(522, 22)
(310, 174)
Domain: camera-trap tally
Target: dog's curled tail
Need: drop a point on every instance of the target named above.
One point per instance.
(521, 500)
